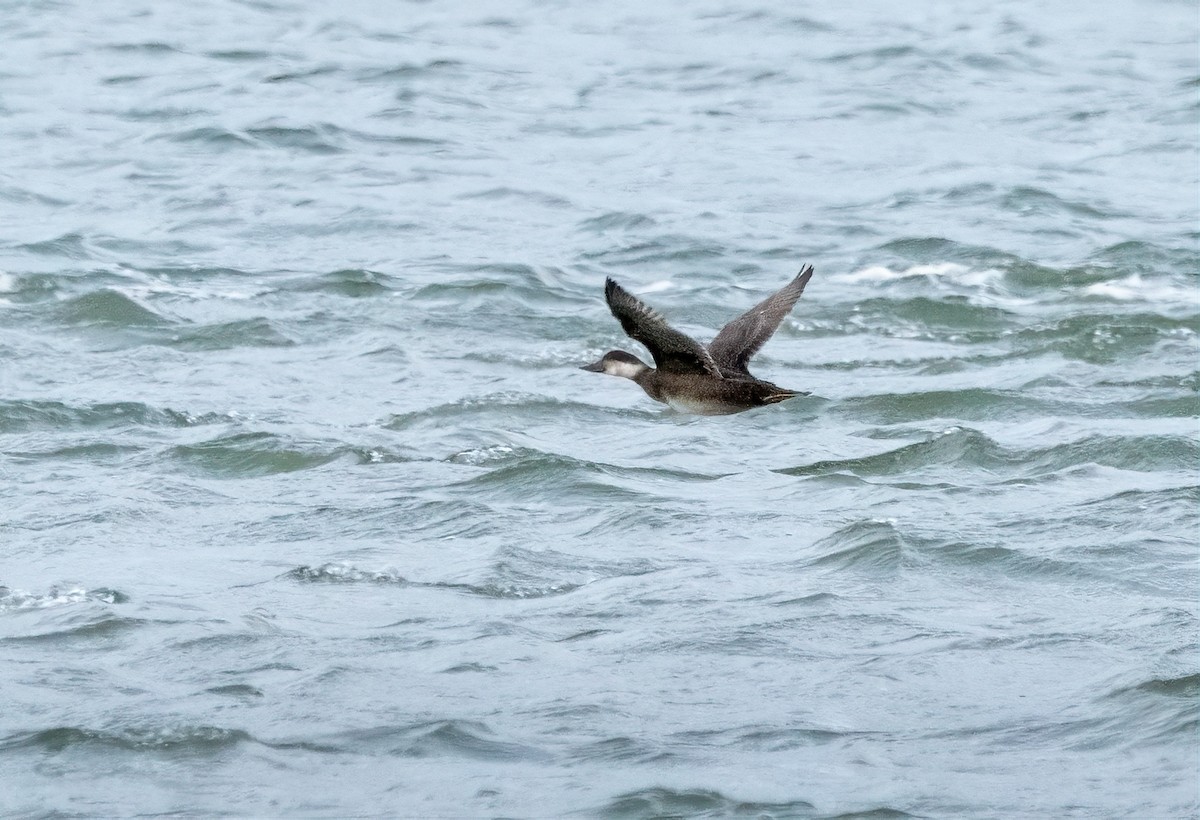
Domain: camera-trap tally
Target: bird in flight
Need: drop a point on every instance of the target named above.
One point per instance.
(689, 376)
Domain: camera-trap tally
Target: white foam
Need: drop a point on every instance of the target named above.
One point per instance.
(16, 599)
(482, 455)
(8, 282)
(195, 292)
(1134, 288)
(960, 274)
(656, 287)
(983, 286)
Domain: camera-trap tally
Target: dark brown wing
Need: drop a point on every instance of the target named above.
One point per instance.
(673, 352)
(744, 336)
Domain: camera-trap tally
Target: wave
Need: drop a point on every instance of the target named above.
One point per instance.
(434, 738)
(959, 446)
(1097, 338)
(659, 801)
(18, 600)
(192, 282)
(542, 198)
(188, 740)
(512, 573)
(249, 455)
(409, 71)
(256, 332)
(475, 411)
(311, 139)
(355, 283)
(661, 249)
(96, 453)
(1156, 710)
(1127, 272)
(883, 548)
(69, 245)
(241, 454)
(1104, 338)
(22, 416)
(1186, 687)
(873, 545)
(615, 221)
(320, 139)
(526, 472)
(212, 137)
(87, 620)
(503, 290)
(621, 749)
(1018, 404)
(1028, 200)
(1128, 510)
(125, 309)
(109, 307)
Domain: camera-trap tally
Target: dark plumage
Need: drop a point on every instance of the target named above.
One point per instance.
(687, 375)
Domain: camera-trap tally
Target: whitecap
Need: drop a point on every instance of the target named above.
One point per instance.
(960, 274)
(14, 599)
(1135, 288)
(482, 455)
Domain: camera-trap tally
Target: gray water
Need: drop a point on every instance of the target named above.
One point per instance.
(306, 510)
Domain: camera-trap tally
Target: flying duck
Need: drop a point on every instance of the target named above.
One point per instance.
(690, 377)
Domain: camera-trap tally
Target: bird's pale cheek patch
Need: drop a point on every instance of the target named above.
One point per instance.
(626, 370)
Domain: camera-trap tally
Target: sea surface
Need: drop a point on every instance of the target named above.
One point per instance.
(306, 509)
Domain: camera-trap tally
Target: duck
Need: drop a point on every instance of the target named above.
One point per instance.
(691, 377)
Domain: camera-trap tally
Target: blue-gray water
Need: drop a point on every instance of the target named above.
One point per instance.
(306, 510)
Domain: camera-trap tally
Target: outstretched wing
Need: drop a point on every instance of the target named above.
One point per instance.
(673, 351)
(739, 340)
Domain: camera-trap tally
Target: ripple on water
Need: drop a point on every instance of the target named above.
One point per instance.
(11, 599)
(1128, 511)
(69, 245)
(968, 404)
(479, 411)
(435, 738)
(109, 308)
(661, 250)
(23, 416)
(355, 283)
(616, 221)
(874, 546)
(523, 473)
(174, 741)
(1152, 711)
(256, 332)
(664, 802)
(621, 749)
(312, 139)
(512, 573)
(250, 455)
(1104, 338)
(969, 448)
(976, 567)
(972, 323)
(63, 615)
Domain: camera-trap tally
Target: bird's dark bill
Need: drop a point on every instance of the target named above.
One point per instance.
(594, 367)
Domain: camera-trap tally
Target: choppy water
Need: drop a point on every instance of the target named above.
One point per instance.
(306, 510)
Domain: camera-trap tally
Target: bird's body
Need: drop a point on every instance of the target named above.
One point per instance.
(689, 376)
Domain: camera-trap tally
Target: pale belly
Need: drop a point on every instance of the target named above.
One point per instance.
(702, 408)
